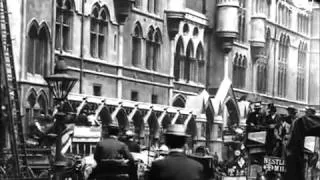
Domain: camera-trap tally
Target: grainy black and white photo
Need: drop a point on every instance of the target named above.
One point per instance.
(160, 90)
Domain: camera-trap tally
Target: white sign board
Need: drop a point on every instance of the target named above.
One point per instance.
(234, 178)
(258, 136)
(309, 143)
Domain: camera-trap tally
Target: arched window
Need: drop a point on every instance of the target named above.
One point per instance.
(149, 48)
(189, 63)
(64, 20)
(262, 66)
(179, 101)
(239, 71)
(242, 21)
(37, 49)
(32, 48)
(99, 31)
(30, 108)
(179, 60)
(42, 52)
(153, 6)
(200, 71)
(156, 49)
(302, 56)
(282, 65)
(136, 45)
(43, 103)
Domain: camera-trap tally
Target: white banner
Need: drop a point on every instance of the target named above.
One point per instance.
(258, 136)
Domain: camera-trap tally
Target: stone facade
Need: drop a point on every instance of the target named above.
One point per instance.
(161, 53)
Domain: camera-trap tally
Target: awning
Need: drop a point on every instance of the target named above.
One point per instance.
(225, 96)
(151, 119)
(119, 115)
(199, 104)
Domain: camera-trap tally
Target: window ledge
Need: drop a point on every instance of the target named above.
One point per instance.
(190, 83)
(151, 15)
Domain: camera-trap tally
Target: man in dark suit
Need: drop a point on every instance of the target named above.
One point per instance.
(255, 118)
(176, 166)
(114, 161)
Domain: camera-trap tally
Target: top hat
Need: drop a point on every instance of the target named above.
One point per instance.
(272, 107)
(176, 130)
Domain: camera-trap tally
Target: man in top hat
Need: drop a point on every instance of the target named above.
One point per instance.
(255, 117)
(273, 125)
(114, 161)
(176, 166)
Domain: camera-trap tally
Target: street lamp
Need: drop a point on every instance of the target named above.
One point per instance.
(60, 84)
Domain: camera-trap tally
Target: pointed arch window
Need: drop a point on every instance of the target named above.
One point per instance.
(30, 109)
(189, 65)
(64, 20)
(43, 51)
(37, 50)
(302, 56)
(179, 60)
(282, 65)
(239, 71)
(200, 69)
(242, 21)
(98, 32)
(136, 45)
(149, 48)
(32, 48)
(153, 45)
(262, 77)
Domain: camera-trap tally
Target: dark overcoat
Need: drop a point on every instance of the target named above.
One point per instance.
(176, 166)
(110, 155)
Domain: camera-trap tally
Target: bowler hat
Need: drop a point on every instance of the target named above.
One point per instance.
(291, 109)
(176, 130)
(310, 109)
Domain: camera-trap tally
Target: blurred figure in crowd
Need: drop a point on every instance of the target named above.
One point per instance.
(287, 126)
(114, 161)
(176, 166)
(273, 125)
(131, 143)
(255, 117)
(310, 111)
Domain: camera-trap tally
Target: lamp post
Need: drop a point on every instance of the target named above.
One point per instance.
(60, 84)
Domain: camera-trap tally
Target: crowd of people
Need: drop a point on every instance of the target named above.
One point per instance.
(277, 127)
(115, 160)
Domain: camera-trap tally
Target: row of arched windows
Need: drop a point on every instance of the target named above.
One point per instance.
(98, 31)
(262, 7)
(153, 6)
(189, 65)
(282, 64)
(284, 15)
(303, 23)
(239, 70)
(37, 49)
(152, 43)
(302, 58)
(35, 105)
